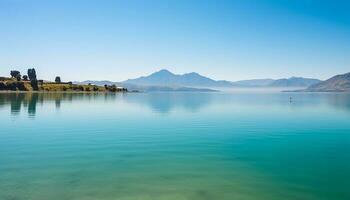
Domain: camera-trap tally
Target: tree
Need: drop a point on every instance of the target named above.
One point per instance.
(31, 74)
(34, 84)
(14, 73)
(25, 77)
(58, 79)
(18, 77)
(112, 88)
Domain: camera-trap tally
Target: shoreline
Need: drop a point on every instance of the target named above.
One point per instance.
(9, 91)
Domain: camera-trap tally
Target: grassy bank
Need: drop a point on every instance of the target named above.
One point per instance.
(24, 86)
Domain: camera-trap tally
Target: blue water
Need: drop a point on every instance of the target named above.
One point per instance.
(157, 146)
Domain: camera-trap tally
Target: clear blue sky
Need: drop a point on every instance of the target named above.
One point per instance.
(230, 40)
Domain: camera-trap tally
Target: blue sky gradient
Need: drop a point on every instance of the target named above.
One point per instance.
(231, 40)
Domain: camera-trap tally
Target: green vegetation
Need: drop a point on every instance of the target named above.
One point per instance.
(58, 79)
(30, 83)
(15, 73)
(25, 78)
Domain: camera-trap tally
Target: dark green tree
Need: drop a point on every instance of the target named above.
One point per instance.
(112, 88)
(14, 73)
(18, 77)
(31, 74)
(25, 77)
(58, 79)
(32, 77)
(34, 84)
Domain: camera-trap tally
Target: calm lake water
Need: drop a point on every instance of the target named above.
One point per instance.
(175, 146)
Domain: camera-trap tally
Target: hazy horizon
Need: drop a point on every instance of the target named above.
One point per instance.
(223, 40)
(24, 72)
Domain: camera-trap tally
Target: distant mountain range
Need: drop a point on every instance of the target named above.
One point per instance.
(290, 82)
(165, 80)
(294, 82)
(338, 83)
(254, 83)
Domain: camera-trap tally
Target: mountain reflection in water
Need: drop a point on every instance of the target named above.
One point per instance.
(165, 102)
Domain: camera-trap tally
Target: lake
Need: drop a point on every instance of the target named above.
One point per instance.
(175, 146)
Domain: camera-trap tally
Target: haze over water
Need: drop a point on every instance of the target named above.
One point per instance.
(225, 145)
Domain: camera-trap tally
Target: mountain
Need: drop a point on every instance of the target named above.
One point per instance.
(290, 82)
(294, 82)
(253, 83)
(338, 83)
(166, 78)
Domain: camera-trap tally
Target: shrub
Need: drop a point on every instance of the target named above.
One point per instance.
(18, 77)
(20, 86)
(11, 86)
(58, 79)
(14, 73)
(3, 86)
(80, 88)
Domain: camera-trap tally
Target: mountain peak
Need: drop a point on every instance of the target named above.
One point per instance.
(295, 77)
(165, 77)
(192, 74)
(164, 71)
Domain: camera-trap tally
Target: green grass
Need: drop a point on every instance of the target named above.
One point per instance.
(7, 84)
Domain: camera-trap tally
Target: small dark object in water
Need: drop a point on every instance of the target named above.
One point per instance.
(290, 99)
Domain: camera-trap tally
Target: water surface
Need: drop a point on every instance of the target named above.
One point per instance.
(175, 146)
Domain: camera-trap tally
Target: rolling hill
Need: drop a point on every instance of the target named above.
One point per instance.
(338, 83)
(294, 82)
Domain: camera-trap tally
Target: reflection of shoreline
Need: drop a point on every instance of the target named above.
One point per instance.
(165, 102)
(53, 92)
(29, 100)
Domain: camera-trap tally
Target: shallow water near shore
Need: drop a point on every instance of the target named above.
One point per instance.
(225, 145)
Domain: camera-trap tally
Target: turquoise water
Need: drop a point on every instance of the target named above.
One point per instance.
(175, 146)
